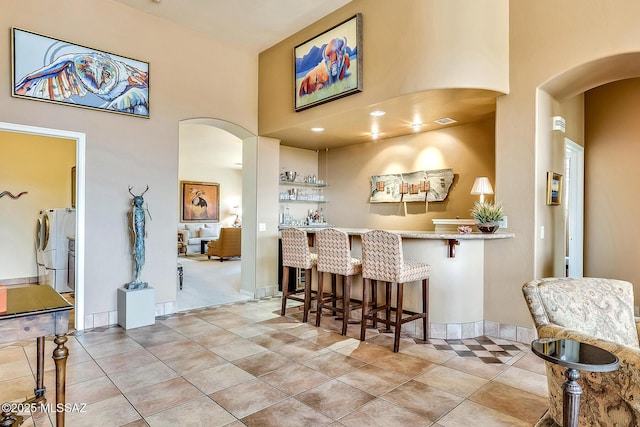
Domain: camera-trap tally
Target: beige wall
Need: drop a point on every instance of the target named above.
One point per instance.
(408, 47)
(264, 170)
(42, 167)
(549, 51)
(467, 149)
(122, 150)
(612, 134)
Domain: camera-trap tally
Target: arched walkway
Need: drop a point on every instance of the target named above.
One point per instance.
(247, 284)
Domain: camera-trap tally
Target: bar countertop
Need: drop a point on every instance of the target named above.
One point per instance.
(432, 235)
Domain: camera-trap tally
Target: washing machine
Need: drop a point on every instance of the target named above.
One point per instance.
(53, 228)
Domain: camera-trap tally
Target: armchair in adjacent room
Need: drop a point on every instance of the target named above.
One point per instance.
(227, 245)
(597, 312)
(182, 246)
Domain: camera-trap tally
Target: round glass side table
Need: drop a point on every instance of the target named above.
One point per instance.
(575, 356)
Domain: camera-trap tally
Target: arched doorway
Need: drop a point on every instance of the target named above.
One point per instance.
(210, 151)
(567, 93)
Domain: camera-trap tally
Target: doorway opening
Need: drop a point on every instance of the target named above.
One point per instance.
(574, 209)
(79, 182)
(210, 152)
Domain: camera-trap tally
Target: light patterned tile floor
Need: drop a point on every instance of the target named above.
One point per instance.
(242, 364)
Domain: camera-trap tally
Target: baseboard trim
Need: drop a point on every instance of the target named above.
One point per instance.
(19, 281)
(445, 331)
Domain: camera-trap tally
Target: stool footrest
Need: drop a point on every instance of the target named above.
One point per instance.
(354, 304)
(372, 315)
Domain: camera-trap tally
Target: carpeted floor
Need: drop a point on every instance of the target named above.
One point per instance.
(209, 282)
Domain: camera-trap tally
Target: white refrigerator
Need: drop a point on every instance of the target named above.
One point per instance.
(54, 227)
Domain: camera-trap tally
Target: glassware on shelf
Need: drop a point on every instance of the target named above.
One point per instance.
(287, 216)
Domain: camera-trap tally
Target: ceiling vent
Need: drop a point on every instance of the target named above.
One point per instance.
(445, 121)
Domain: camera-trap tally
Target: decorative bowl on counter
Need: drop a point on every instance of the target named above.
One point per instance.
(489, 227)
(464, 229)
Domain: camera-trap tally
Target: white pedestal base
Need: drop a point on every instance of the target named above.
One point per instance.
(136, 308)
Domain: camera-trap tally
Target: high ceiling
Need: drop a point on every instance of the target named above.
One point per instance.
(256, 25)
(250, 24)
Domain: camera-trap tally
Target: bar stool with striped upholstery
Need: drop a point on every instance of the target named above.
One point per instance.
(383, 261)
(334, 258)
(296, 254)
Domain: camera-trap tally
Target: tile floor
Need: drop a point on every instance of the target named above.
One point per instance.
(243, 364)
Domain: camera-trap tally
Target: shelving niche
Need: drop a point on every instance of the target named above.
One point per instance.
(302, 196)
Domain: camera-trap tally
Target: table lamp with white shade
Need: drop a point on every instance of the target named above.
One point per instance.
(482, 186)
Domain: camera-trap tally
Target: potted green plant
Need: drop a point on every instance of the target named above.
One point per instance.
(488, 216)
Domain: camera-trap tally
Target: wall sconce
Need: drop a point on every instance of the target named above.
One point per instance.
(482, 186)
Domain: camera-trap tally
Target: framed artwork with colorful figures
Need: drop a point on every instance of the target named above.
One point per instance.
(52, 70)
(329, 66)
(200, 201)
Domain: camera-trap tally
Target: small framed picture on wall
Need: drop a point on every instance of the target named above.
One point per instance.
(554, 188)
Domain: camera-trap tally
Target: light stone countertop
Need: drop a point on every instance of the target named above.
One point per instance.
(432, 235)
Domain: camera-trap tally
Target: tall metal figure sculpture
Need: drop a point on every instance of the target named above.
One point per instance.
(138, 234)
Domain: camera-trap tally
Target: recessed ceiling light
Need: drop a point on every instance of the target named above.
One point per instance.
(377, 113)
(445, 121)
(416, 126)
(375, 135)
(317, 129)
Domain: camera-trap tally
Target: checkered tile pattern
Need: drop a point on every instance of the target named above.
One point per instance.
(487, 349)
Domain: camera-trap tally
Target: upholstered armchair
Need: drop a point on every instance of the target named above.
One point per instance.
(227, 245)
(597, 312)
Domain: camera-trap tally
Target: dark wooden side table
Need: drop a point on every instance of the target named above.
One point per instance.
(575, 356)
(37, 311)
(203, 245)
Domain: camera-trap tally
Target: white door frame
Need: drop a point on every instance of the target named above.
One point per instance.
(575, 207)
(81, 148)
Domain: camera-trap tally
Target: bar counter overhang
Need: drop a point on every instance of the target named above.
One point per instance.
(456, 294)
